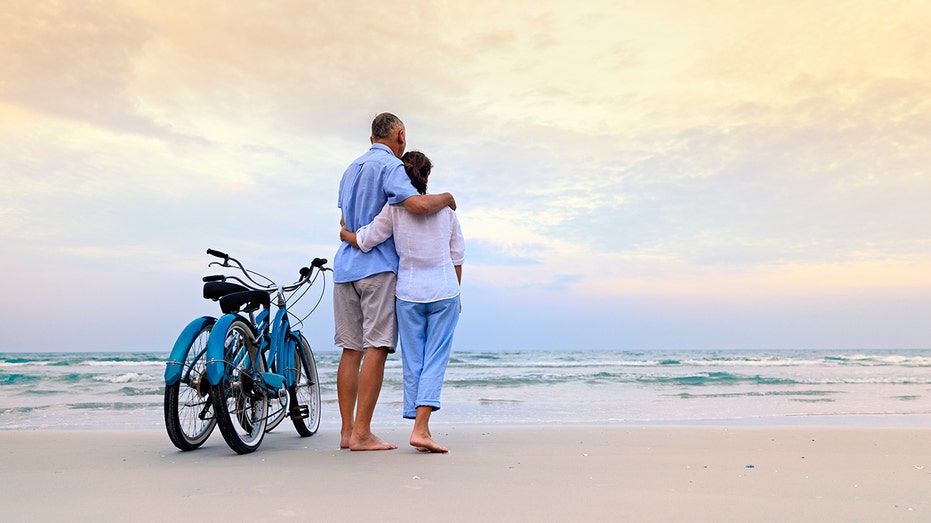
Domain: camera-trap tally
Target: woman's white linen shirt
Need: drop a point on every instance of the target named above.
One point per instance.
(429, 247)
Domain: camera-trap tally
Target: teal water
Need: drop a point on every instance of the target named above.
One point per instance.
(873, 388)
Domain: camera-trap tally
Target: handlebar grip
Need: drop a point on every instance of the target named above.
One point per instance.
(316, 264)
(214, 277)
(218, 254)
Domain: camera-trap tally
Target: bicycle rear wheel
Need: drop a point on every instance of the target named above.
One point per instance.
(240, 399)
(305, 392)
(189, 415)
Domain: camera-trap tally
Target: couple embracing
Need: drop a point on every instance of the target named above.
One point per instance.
(397, 273)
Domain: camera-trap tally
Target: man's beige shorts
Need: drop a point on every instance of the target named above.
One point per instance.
(363, 311)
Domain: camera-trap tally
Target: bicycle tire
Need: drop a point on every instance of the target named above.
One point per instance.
(305, 391)
(189, 417)
(239, 398)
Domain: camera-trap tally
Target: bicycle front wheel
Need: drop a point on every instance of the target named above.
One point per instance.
(305, 392)
(240, 399)
(189, 415)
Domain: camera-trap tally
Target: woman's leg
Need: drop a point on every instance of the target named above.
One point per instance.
(412, 334)
(420, 436)
(442, 317)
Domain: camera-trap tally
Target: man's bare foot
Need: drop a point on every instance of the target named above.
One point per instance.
(369, 442)
(344, 434)
(426, 444)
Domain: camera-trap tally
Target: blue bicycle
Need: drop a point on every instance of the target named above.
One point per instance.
(259, 368)
(189, 409)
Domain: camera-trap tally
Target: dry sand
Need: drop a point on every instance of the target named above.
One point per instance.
(492, 473)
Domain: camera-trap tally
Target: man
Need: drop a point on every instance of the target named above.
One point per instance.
(363, 297)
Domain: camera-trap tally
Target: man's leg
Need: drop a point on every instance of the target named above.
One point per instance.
(347, 390)
(370, 381)
(379, 339)
(347, 313)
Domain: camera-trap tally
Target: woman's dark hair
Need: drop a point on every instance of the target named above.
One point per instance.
(418, 168)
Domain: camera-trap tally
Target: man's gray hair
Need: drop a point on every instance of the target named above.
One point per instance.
(384, 124)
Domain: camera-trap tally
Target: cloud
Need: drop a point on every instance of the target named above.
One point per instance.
(74, 60)
(484, 253)
(661, 151)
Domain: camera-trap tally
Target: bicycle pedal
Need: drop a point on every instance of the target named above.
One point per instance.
(299, 412)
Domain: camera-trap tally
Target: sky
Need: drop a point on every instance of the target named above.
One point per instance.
(629, 175)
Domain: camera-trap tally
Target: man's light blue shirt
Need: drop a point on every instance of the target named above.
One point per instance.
(374, 179)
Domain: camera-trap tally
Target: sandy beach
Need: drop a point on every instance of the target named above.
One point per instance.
(492, 473)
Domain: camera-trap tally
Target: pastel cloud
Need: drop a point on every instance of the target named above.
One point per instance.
(660, 151)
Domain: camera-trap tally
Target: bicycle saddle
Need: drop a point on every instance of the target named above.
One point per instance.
(252, 300)
(214, 290)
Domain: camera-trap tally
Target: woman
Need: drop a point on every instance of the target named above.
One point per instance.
(431, 251)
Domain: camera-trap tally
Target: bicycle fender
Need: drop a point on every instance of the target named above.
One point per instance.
(216, 364)
(175, 363)
(277, 336)
(290, 342)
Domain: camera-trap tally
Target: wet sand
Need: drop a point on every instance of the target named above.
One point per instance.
(492, 473)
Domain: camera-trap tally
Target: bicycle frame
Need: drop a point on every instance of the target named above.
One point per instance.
(284, 359)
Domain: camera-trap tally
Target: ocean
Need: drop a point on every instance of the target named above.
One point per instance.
(887, 388)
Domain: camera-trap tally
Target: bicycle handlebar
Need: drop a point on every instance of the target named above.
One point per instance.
(218, 254)
(305, 272)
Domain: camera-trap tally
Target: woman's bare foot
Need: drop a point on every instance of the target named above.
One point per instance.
(369, 442)
(424, 443)
(422, 449)
(344, 439)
